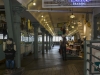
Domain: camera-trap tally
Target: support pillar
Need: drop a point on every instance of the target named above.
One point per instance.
(36, 26)
(13, 25)
(46, 41)
(9, 20)
(52, 40)
(17, 38)
(49, 42)
(43, 30)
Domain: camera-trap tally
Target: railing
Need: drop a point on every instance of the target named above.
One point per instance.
(91, 58)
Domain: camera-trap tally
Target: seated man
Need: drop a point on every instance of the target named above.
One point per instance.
(9, 49)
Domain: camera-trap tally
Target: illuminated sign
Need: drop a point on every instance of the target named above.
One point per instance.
(83, 1)
(79, 2)
(70, 3)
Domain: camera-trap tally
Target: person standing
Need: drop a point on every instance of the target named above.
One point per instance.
(63, 48)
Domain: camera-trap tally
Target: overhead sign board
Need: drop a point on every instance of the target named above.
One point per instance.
(70, 3)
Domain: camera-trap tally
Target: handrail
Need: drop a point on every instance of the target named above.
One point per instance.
(95, 66)
(95, 47)
(90, 55)
(93, 56)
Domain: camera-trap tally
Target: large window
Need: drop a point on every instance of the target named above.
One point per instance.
(58, 38)
(31, 38)
(1, 36)
(27, 39)
(40, 38)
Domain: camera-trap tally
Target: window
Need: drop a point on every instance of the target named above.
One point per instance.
(1, 36)
(40, 38)
(5, 37)
(57, 38)
(31, 38)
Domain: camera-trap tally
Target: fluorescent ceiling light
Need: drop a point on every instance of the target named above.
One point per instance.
(44, 19)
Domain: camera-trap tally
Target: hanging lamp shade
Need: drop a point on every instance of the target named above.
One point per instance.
(72, 16)
(88, 24)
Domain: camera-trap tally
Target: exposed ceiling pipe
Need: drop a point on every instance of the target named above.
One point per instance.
(58, 11)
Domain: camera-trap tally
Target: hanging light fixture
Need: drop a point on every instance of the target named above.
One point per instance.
(72, 26)
(34, 3)
(72, 16)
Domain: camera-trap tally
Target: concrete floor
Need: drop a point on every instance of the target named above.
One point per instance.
(50, 63)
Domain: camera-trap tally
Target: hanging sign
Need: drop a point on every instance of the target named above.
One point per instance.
(69, 3)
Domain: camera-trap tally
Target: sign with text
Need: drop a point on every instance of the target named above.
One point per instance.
(70, 3)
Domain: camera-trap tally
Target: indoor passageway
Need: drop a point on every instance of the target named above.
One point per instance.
(38, 27)
(52, 64)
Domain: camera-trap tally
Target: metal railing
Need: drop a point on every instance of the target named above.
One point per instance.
(90, 48)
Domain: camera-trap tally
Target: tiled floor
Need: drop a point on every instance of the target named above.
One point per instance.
(50, 63)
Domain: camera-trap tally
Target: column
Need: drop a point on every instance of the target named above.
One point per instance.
(9, 20)
(49, 42)
(52, 40)
(46, 41)
(17, 34)
(43, 30)
(36, 26)
(13, 25)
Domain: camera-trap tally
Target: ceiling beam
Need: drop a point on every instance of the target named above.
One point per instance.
(59, 11)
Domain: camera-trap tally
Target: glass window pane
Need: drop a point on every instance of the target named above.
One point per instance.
(1, 36)
(60, 38)
(54, 39)
(5, 37)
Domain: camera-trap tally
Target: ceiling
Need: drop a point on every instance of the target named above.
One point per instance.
(53, 15)
(56, 15)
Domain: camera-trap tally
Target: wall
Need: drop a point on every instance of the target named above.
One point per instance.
(95, 12)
